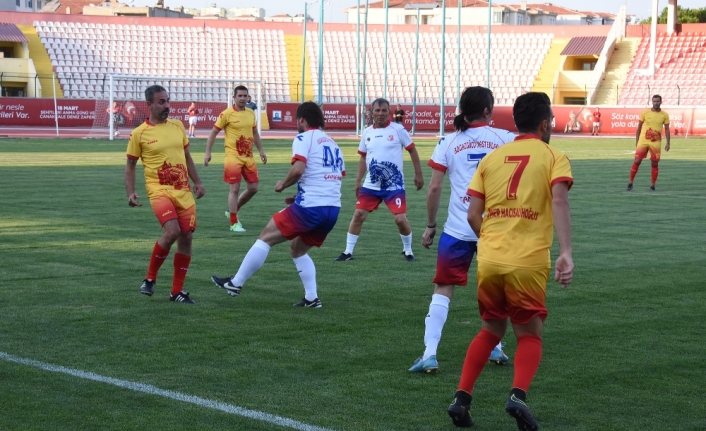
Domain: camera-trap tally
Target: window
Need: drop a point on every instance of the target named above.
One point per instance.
(552, 21)
(497, 17)
(17, 2)
(400, 19)
(29, 4)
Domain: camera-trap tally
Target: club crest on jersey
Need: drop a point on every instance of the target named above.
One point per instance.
(390, 138)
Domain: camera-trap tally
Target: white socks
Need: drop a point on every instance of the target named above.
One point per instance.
(307, 272)
(438, 311)
(350, 243)
(407, 243)
(253, 261)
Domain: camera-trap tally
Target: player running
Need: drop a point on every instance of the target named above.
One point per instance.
(458, 154)
(317, 170)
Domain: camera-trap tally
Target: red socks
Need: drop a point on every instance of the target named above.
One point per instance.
(633, 171)
(159, 255)
(181, 265)
(655, 172)
(233, 218)
(527, 358)
(476, 358)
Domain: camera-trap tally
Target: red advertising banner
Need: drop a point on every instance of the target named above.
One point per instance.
(82, 113)
(613, 120)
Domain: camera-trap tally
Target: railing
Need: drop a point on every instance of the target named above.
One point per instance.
(616, 32)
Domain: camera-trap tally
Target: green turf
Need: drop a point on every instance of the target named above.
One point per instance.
(622, 347)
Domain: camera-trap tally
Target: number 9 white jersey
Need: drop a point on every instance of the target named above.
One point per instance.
(320, 185)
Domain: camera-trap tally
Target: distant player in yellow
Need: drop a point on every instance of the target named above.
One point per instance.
(162, 145)
(649, 139)
(241, 133)
(518, 193)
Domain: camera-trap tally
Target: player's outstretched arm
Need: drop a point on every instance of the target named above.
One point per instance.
(199, 191)
(295, 173)
(564, 267)
(209, 145)
(258, 143)
(433, 200)
(418, 176)
(132, 197)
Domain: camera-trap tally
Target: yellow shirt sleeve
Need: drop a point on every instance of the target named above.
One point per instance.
(561, 171)
(642, 116)
(134, 149)
(222, 121)
(666, 118)
(477, 186)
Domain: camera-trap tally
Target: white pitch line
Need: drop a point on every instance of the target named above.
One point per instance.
(153, 390)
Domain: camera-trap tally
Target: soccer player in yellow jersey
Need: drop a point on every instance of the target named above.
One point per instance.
(241, 133)
(518, 193)
(649, 139)
(162, 145)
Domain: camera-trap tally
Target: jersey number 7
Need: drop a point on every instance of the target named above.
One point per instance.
(513, 184)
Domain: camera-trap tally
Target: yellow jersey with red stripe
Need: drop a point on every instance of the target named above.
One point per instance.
(516, 183)
(652, 123)
(161, 148)
(238, 126)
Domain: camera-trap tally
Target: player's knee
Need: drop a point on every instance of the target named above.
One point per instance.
(401, 220)
(253, 187)
(638, 161)
(171, 231)
(359, 216)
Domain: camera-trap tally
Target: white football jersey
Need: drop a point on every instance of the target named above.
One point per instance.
(460, 153)
(382, 149)
(320, 185)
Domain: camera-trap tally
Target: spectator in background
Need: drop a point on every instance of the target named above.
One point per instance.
(368, 117)
(250, 104)
(596, 122)
(192, 120)
(399, 115)
(117, 117)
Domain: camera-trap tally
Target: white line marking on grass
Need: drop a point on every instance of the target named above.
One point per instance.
(153, 390)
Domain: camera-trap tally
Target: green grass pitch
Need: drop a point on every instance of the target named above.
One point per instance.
(623, 345)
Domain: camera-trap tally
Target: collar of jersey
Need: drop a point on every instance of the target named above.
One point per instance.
(527, 136)
(387, 124)
(476, 125)
(149, 123)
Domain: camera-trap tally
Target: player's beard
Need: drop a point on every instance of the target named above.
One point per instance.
(164, 114)
(300, 129)
(547, 136)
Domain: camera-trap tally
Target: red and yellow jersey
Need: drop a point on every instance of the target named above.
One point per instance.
(516, 183)
(238, 126)
(652, 123)
(161, 148)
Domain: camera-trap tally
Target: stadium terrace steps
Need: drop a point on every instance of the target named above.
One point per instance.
(617, 71)
(42, 63)
(550, 66)
(293, 46)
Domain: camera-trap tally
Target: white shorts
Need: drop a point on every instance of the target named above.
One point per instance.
(596, 124)
(193, 120)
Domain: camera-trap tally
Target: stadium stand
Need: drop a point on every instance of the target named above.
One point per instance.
(680, 77)
(84, 54)
(518, 55)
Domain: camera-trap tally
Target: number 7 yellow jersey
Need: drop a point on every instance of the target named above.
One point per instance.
(516, 183)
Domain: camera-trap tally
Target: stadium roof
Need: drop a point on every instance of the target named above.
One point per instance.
(584, 45)
(11, 33)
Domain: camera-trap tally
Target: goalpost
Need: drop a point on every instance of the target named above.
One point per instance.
(122, 106)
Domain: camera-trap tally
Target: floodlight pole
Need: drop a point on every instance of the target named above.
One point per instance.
(442, 117)
(458, 57)
(358, 121)
(365, 57)
(387, 36)
(490, 21)
(321, 52)
(416, 69)
(306, 4)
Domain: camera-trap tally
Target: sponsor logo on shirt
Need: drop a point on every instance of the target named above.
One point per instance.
(153, 141)
(390, 138)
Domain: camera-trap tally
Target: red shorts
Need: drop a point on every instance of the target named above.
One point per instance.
(237, 167)
(517, 293)
(312, 224)
(167, 207)
(642, 150)
(369, 200)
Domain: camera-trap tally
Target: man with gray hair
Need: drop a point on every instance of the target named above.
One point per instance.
(380, 152)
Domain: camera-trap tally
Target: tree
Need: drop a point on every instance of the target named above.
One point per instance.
(684, 16)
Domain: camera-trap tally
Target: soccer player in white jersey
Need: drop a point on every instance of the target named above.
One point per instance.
(380, 152)
(458, 154)
(317, 170)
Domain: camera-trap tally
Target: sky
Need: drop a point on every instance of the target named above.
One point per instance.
(334, 9)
